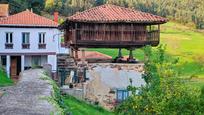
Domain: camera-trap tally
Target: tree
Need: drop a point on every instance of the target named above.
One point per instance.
(99, 2)
(164, 92)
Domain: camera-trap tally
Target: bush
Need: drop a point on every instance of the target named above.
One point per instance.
(164, 92)
(4, 80)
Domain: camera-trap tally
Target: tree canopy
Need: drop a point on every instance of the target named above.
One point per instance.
(184, 11)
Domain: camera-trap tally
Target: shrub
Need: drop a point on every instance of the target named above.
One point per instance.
(164, 92)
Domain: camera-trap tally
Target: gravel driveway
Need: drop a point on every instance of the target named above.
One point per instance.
(25, 98)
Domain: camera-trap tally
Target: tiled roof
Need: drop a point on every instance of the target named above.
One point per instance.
(112, 13)
(94, 55)
(4, 10)
(27, 19)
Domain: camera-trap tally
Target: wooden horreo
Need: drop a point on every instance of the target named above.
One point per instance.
(110, 26)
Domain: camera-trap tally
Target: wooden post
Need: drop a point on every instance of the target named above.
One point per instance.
(104, 31)
(132, 28)
(122, 38)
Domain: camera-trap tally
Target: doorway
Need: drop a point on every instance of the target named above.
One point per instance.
(15, 67)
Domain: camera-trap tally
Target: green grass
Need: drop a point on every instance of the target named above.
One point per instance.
(82, 108)
(183, 42)
(4, 80)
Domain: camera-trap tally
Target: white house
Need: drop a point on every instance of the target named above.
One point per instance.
(27, 40)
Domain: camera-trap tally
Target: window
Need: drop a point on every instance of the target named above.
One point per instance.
(122, 95)
(36, 61)
(41, 44)
(41, 38)
(3, 60)
(25, 40)
(9, 40)
(26, 37)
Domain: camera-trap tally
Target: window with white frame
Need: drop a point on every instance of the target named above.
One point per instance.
(9, 37)
(42, 38)
(26, 38)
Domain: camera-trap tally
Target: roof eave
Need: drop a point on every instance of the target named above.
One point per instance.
(119, 21)
(27, 26)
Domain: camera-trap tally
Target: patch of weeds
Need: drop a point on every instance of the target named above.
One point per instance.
(56, 97)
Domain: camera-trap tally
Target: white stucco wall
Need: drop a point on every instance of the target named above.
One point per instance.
(28, 60)
(52, 59)
(52, 43)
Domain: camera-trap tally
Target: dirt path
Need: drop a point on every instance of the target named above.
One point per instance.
(26, 97)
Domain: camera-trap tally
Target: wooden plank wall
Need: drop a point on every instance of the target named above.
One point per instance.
(111, 32)
(107, 34)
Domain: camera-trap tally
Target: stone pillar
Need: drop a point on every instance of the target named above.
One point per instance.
(120, 53)
(83, 58)
(131, 55)
(8, 65)
(22, 63)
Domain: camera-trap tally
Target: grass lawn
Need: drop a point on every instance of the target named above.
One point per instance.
(183, 42)
(4, 80)
(81, 108)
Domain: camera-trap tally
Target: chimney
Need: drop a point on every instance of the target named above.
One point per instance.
(56, 15)
(4, 10)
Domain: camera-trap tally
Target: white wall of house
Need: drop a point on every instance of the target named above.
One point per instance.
(29, 60)
(53, 61)
(52, 42)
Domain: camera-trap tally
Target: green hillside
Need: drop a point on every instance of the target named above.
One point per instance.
(182, 42)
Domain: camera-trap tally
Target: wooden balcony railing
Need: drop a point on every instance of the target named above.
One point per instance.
(126, 35)
(113, 38)
(8, 46)
(153, 35)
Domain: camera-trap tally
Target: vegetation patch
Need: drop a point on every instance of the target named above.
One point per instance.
(4, 80)
(165, 92)
(78, 107)
(56, 98)
(70, 105)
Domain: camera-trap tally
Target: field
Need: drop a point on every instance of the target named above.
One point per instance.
(183, 42)
(81, 108)
(4, 81)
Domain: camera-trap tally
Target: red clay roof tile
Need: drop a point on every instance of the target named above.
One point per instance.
(112, 13)
(94, 55)
(28, 19)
